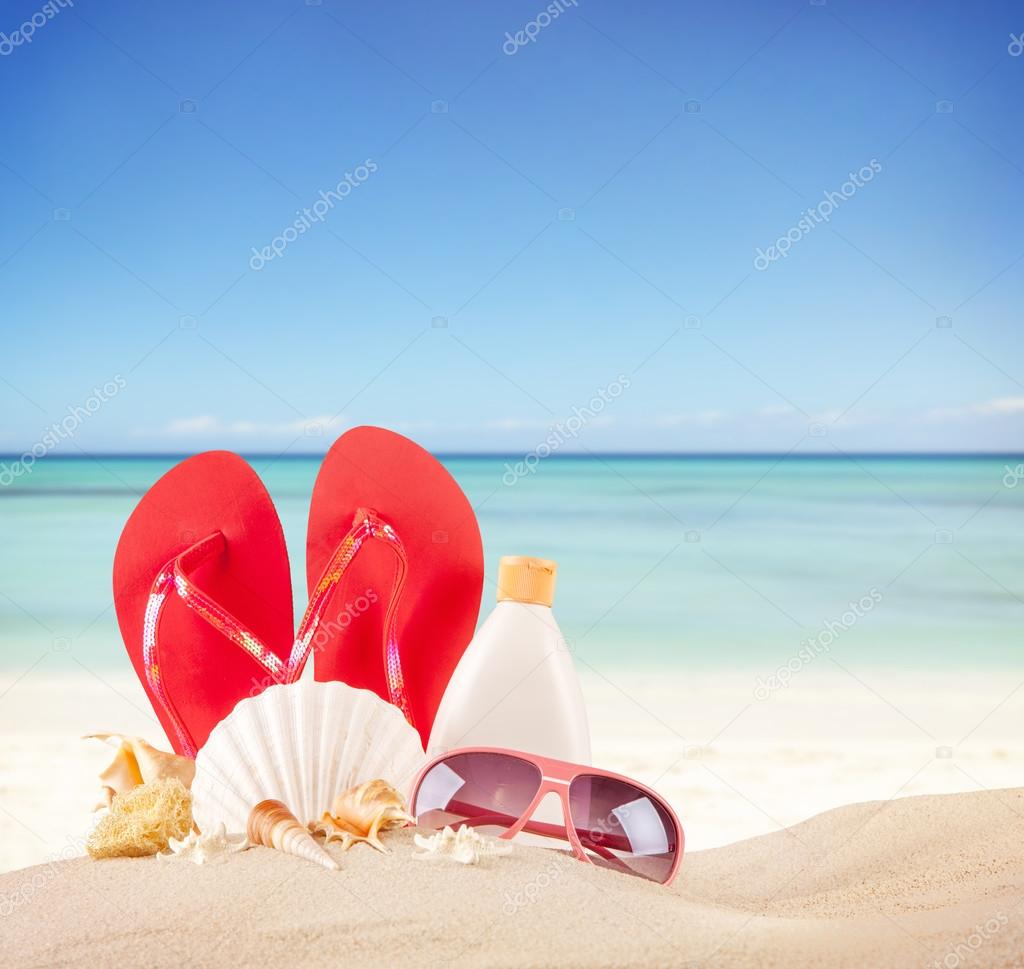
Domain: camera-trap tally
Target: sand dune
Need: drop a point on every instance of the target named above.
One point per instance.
(920, 881)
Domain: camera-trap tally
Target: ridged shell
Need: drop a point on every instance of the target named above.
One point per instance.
(303, 744)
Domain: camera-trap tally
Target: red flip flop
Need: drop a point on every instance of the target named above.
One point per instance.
(204, 546)
(394, 565)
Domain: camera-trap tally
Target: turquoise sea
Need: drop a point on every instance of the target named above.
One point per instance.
(676, 562)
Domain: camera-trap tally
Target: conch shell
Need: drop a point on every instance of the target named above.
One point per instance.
(273, 825)
(362, 813)
(137, 762)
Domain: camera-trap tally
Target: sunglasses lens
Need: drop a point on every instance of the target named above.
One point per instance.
(486, 791)
(620, 826)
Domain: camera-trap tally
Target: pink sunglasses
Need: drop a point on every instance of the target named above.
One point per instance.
(608, 819)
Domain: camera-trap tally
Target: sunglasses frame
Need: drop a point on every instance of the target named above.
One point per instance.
(556, 776)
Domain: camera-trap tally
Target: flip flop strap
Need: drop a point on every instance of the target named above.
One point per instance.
(173, 577)
(368, 526)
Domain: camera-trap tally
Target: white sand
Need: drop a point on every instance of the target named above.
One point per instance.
(732, 766)
(920, 881)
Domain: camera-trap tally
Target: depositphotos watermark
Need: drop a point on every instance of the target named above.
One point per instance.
(62, 430)
(31, 885)
(324, 631)
(963, 951)
(1013, 476)
(312, 214)
(813, 217)
(531, 891)
(812, 648)
(564, 431)
(532, 29)
(611, 823)
(25, 33)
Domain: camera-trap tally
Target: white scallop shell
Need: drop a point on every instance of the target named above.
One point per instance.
(301, 743)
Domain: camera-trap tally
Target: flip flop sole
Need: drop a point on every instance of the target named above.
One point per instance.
(204, 673)
(373, 468)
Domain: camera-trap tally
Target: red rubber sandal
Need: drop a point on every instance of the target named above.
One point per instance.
(396, 617)
(204, 546)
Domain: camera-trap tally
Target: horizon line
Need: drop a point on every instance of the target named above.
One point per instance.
(519, 455)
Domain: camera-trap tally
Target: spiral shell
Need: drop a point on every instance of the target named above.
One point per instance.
(271, 824)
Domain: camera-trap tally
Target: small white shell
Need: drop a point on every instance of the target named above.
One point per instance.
(201, 848)
(464, 846)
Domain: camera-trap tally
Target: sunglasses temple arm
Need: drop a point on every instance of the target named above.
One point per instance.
(556, 831)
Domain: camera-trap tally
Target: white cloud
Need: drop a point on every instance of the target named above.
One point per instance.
(781, 417)
(192, 425)
(996, 407)
(208, 425)
(517, 424)
(535, 424)
(703, 418)
(413, 427)
(850, 419)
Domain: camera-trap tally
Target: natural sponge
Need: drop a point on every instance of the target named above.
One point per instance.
(141, 821)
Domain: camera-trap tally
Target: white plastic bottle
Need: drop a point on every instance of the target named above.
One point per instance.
(515, 685)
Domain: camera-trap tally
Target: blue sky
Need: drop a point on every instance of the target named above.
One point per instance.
(538, 224)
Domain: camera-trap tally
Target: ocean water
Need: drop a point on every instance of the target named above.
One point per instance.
(707, 602)
(665, 562)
